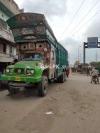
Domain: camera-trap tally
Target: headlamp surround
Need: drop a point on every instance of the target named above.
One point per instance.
(29, 71)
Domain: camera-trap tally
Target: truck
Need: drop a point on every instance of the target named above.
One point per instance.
(41, 58)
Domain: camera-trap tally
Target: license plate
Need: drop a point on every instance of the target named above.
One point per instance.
(17, 78)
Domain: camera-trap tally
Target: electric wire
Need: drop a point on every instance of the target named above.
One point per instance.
(84, 23)
(72, 21)
(81, 21)
(79, 24)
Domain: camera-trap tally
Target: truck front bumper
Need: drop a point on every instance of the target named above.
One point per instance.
(21, 79)
(18, 85)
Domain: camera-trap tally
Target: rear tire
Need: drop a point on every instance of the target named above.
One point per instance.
(62, 78)
(43, 87)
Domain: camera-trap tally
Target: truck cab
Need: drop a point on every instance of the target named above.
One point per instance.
(35, 69)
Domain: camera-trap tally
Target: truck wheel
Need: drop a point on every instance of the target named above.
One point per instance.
(61, 79)
(65, 76)
(0, 85)
(12, 91)
(43, 87)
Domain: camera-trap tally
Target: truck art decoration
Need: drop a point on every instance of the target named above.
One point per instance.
(40, 57)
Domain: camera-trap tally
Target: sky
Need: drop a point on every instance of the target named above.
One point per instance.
(72, 22)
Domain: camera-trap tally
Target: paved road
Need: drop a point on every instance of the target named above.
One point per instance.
(71, 107)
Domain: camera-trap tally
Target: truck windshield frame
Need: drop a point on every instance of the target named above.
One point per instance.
(33, 57)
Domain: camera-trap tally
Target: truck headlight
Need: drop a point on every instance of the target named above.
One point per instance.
(29, 71)
(7, 70)
(19, 71)
(32, 71)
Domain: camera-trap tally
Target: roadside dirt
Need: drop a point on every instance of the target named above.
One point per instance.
(71, 107)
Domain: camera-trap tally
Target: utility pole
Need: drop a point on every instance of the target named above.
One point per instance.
(84, 53)
(85, 45)
(79, 57)
(96, 56)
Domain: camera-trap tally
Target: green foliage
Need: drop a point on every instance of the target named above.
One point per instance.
(95, 64)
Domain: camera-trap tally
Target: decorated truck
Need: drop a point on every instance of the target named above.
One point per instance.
(41, 58)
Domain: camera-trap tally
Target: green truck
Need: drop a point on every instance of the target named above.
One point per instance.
(41, 59)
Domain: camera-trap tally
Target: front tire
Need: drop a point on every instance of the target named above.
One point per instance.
(12, 91)
(43, 87)
(0, 85)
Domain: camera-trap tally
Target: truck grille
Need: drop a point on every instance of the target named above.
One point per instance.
(19, 70)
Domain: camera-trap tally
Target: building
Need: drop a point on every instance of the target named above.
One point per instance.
(8, 8)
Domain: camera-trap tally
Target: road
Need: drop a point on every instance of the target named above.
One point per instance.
(71, 107)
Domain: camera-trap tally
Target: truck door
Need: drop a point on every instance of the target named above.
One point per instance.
(52, 63)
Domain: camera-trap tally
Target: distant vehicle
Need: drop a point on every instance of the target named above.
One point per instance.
(95, 80)
(41, 57)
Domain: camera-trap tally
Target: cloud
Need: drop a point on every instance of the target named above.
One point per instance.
(93, 29)
(47, 7)
(72, 46)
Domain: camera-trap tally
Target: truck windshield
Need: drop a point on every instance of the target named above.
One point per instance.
(34, 56)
